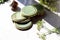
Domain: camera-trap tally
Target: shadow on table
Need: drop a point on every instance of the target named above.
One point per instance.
(52, 19)
(36, 18)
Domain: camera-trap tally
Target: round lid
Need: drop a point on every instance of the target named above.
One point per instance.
(17, 17)
(29, 11)
(23, 26)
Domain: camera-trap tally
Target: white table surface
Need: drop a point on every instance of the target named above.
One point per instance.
(8, 30)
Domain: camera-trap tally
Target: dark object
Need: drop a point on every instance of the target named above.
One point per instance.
(40, 9)
(14, 5)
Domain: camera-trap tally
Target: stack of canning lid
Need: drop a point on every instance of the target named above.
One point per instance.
(22, 19)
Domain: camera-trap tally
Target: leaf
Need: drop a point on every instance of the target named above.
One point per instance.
(42, 36)
(51, 4)
(39, 25)
(56, 30)
(2, 1)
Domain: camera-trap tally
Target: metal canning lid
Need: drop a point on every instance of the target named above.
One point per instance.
(17, 17)
(29, 11)
(23, 26)
(23, 21)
